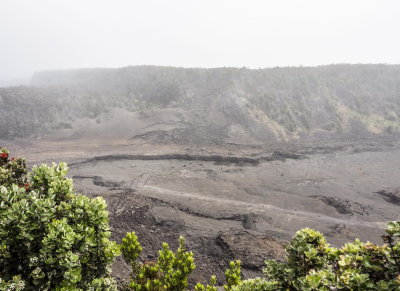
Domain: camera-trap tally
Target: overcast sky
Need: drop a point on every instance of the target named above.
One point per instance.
(58, 34)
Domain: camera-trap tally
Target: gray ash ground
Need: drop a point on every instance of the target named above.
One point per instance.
(227, 207)
(132, 212)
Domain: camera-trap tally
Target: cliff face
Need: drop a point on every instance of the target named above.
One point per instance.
(225, 105)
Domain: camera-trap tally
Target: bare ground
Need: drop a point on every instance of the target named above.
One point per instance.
(232, 202)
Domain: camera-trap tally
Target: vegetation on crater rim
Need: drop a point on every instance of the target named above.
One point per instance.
(278, 102)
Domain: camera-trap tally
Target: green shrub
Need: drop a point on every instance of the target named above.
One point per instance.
(209, 287)
(50, 237)
(233, 275)
(12, 171)
(311, 264)
(170, 272)
(257, 284)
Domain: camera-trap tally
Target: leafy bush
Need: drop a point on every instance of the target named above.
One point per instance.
(257, 284)
(313, 265)
(50, 237)
(170, 272)
(233, 275)
(208, 287)
(12, 171)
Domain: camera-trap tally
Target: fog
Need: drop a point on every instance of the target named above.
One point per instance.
(45, 34)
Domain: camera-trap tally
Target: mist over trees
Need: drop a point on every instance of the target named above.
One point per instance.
(296, 102)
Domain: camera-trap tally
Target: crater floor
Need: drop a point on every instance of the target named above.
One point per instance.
(227, 205)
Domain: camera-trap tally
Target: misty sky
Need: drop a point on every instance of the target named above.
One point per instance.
(57, 34)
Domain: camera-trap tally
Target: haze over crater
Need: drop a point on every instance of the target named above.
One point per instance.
(43, 35)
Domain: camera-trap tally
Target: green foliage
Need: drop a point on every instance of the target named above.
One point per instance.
(209, 287)
(12, 171)
(170, 272)
(51, 238)
(313, 265)
(307, 246)
(131, 249)
(256, 284)
(102, 284)
(233, 275)
(15, 284)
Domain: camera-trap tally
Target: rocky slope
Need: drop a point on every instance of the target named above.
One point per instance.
(208, 106)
